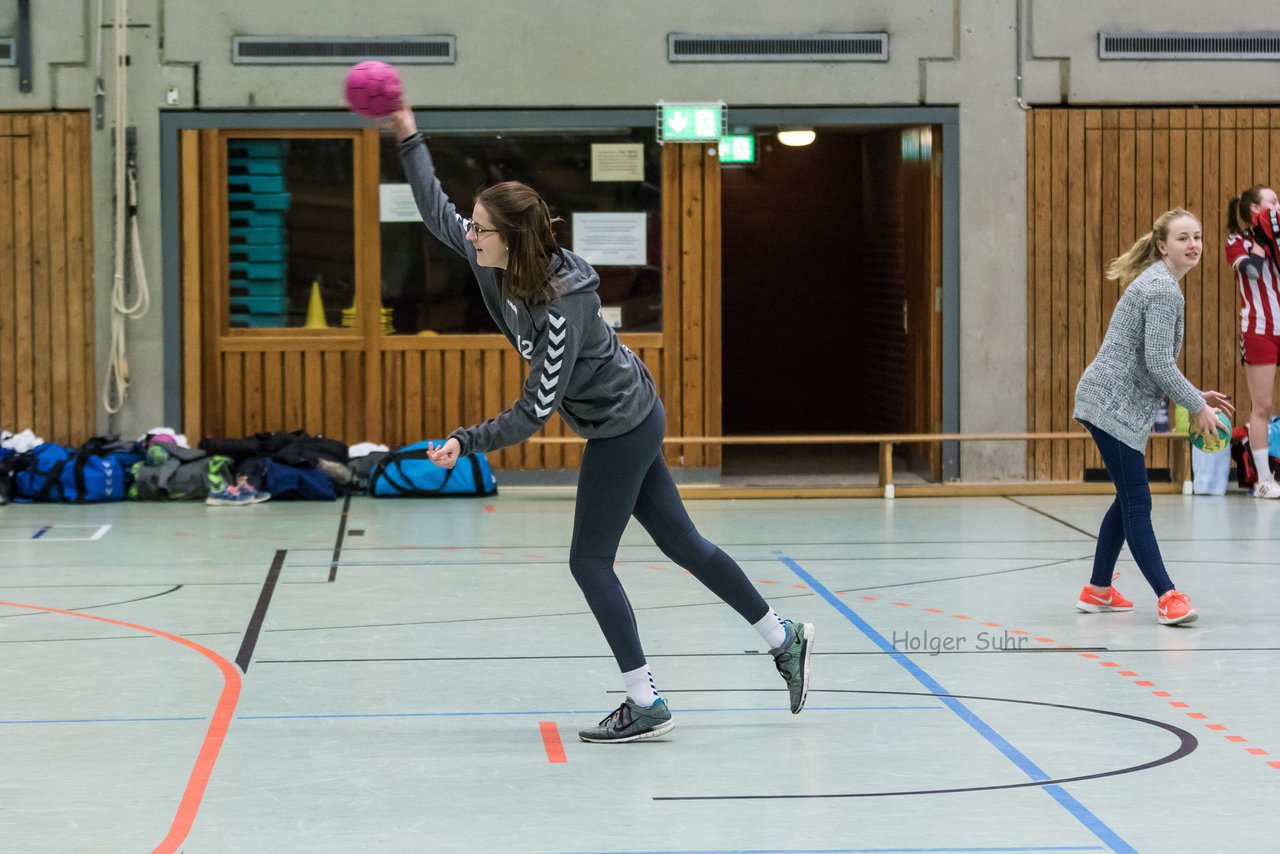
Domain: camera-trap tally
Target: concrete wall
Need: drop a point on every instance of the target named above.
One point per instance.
(569, 53)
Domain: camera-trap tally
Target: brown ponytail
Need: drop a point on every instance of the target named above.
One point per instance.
(1239, 218)
(524, 221)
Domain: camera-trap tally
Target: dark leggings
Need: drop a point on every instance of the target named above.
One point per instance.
(627, 476)
(1129, 517)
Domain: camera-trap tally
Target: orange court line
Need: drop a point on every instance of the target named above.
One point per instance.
(551, 742)
(217, 732)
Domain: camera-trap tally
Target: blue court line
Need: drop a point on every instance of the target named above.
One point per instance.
(40, 533)
(1077, 809)
(543, 713)
(858, 850)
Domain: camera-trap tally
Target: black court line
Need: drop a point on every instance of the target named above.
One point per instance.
(259, 613)
(337, 547)
(1187, 743)
(173, 589)
(727, 544)
(1091, 536)
(744, 654)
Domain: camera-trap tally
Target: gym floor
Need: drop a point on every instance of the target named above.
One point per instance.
(410, 676)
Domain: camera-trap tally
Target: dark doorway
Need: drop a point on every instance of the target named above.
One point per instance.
(831, 258)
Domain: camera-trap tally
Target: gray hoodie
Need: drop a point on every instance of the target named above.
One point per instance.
(578, 367)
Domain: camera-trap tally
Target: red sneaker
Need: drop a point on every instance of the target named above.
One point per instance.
(1099, 600)
(1175, 609)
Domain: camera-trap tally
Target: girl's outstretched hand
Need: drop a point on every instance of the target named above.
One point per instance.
(1218, 400)
(401, 123)
(446, 455)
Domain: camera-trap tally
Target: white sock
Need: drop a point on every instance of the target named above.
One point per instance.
(771, 629)
(1263, 465)
(640, 686)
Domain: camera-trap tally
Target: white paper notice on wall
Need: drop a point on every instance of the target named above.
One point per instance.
(610, 238)
(621, 161)
(612, 315)
(396, 204)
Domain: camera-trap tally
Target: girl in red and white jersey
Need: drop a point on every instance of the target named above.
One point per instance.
(1253, 226)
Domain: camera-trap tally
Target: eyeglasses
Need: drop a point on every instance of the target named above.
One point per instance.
(480, 231)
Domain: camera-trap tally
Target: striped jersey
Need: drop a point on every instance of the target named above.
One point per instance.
(1258, 279)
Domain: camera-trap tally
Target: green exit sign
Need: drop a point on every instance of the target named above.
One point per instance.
(737, 149)
(691, 122)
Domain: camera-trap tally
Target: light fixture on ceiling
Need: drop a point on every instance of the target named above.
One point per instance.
(797, 136)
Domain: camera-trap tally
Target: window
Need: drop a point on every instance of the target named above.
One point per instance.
(427, 288)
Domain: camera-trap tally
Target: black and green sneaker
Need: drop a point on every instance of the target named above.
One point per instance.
(792, 660)
(631, 722)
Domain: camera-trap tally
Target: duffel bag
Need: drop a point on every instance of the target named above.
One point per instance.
(408, 472)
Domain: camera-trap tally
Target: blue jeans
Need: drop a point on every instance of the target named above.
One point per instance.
(1129, 517)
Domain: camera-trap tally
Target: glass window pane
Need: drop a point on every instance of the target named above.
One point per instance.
(291, 225)
(429, 289)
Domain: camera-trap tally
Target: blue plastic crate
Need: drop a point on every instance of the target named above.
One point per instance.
(259, 305)
(250, 270)
(254, 166)
(256, 183)
(258, 201)
(241, 235)
(257, 287)
(257, 253)
(256, 147)
(255, 219)
(259, 320)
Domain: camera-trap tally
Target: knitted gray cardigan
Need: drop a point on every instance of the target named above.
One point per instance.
(1137, 364)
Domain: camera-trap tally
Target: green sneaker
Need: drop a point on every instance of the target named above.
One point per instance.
(792, 660)
(631, 722)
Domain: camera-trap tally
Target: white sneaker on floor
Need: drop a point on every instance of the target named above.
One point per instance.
(1266, 489)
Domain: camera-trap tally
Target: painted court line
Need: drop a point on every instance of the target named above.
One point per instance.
(551, 742)
(1078, 810)
(198, 781)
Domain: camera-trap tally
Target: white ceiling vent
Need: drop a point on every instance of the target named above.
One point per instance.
(1189, 45)
(815, 47)
(335, 50)
(8, 51)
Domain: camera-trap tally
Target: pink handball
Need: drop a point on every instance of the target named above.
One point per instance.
(373, 89)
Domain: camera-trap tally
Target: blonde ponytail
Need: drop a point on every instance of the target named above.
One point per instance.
(1146, 249)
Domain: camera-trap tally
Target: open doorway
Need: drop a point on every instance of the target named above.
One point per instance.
(831, 310)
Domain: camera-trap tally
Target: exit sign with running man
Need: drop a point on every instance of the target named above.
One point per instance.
(692, 122)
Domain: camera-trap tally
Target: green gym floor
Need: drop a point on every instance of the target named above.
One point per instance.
(382, 675)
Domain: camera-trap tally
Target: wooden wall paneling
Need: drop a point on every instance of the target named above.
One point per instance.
(1077, 175)
(1198, 138)
(23, 294)
(76, 195)
(1157, 156)
(8, 286)
(295, 390)
(432, 401)
(233, 394)
(1032, 290)
(413, 422)
(712, 357)
(1093, 260)
(59, 291)
(213, 219)
(333, 404)
(354, 395)
(252, 400)
(672, 294)
(452, 390)
(1214, 266)
(1044, 246)
(273, 391)
(368, 242)
(313, 392)
(41, 317)
(692, 320)
(393, 419)
(1060, 205)
(192, 250)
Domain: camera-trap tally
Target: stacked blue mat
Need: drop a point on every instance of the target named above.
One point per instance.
(257, 204)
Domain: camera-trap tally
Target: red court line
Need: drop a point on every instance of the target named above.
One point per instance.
(551, 741)
(217, 732)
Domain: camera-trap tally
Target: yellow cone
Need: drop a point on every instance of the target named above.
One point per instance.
(315, 309)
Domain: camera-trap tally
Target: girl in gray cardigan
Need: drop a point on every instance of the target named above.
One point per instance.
(1117, 398)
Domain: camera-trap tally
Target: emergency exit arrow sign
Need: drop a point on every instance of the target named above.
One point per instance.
(691, 122)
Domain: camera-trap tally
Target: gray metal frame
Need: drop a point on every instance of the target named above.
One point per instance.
(498, 121)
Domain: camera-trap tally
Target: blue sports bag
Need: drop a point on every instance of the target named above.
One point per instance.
(408, 472)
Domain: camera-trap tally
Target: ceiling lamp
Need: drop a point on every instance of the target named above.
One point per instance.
(796, 136)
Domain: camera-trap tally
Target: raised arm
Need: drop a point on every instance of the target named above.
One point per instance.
(438, 213)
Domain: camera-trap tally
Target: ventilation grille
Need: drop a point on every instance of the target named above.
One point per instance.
(1189, 45)
(817, 47)
(8, 51)
(286, 50)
